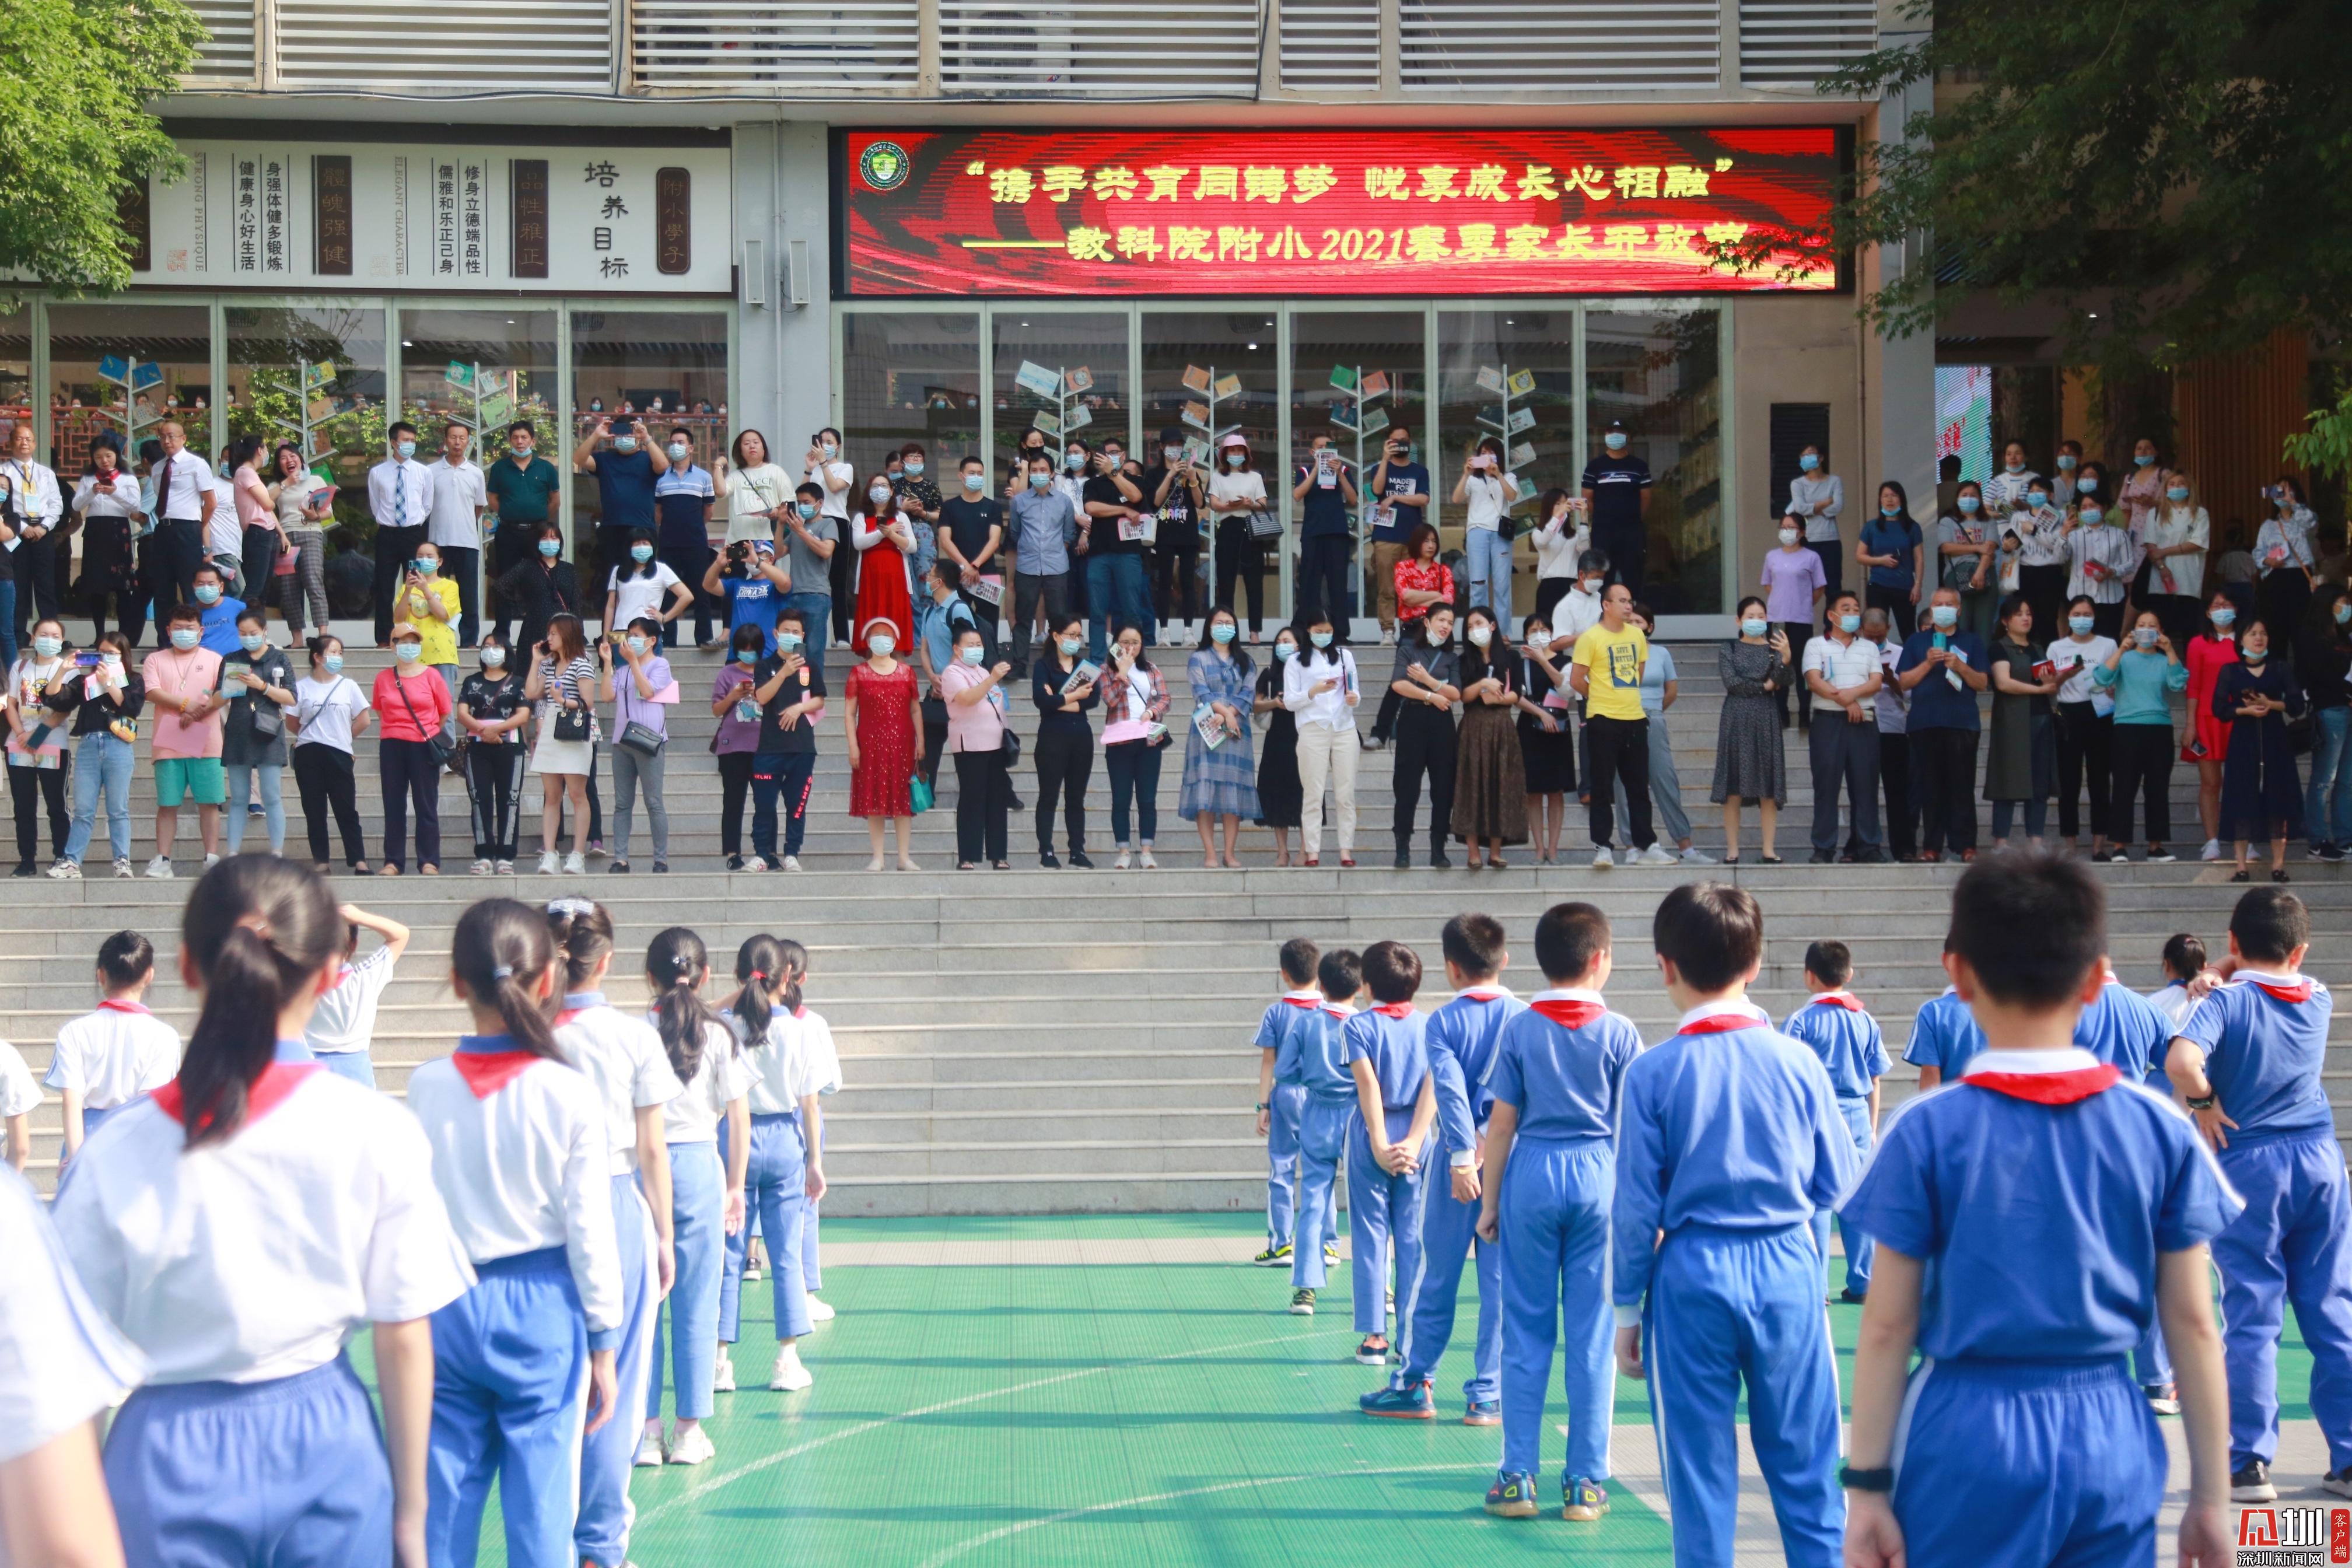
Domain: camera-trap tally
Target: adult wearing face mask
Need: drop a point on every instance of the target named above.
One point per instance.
(1236, 491)
(737, 742)
(107, 498)
(1968, 556)
(431, 603)
(1890, 553)
(31, 492)
(39, 700)
(1065, 753)
(1117, 594)
(1424, 584)
(2083, 715)
(1817, 499)
(684, 499)
(183, 691)
(2102, 555)
(813, 539)
(1321, 690)
(1942, 669)
(2140, 678)
(259, 683)
(641, 688)
(412, 707)
(106, 751)
(2175, 537)
(217, 610)
(2212, 651)
(1795, 589)
(1616, 487)
(1324, 490)
(884, 539)
(184, 510)
(1890, 710)
(1046, 529)
(1426, 683)
(542, 587)
(2261, 796)
(1175, 487)
(622, 453)
(460, 493)
(1220, 785)
(2287, 558)
(331, 713)
(884, 740)
(400, 498)
(1607, 673)
(2007, 488)
(1562, 538)
(789, 687)
(1842, 674)
(971, 535)
(973, 692)
(826, 466)
(491, 715)
(521, 488)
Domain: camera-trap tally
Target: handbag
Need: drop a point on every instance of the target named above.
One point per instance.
(643, 739)
(1265, 525)
(918, 793)
(570, 723)
(442, 749)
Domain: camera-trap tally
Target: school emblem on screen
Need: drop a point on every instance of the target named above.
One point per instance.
(883, 165)
(2293, 1537)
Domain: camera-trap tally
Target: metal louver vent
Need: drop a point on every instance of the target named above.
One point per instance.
(718, 45)
(1330, 45)
(1206, 48)
(1526, 46)
(1799, 41)
(227, 58)
(450, 46)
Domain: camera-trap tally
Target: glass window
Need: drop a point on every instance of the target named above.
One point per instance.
(1660, 373)
(1207, 371)
(1060, 372)
(1510, 373)
(667, 368)
(910, 375)
(16, 368)
(171, 346)
(1380, 354)
(454, 365)
(315, 371)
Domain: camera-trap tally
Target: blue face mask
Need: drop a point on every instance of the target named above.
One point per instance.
(47, 648)
(636, 645)
(1320, 639)
(1221, 634)
(407, 652)
(1038, 481)
(1809, 462)
(913, 468)
(1849, 625)
(788, 642)
(406, 449)
(2066, 464)
(807, 509)
(2343, 614)
(206, 593)
(1890, 512)
(641, 553)
(252, 642)
(1614, 440)
(1968, 505)
(551, 548)
(494, 658)
(2176, 493)
(1236, 459)
(625, 443)
(185, 638)
(427, 567)
(2080, 624)
(2142, 459)
(2037, 497)
(972, 654)
(1075, 461)
(1753, 627)
(2090, 514)
(1070, 646)
(747, 655)
(1283, 650)
(333, 664)
(973, 482)
(2225, 617)
(1945, 616)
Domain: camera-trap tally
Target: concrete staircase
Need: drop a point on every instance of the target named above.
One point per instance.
(1033, 1040)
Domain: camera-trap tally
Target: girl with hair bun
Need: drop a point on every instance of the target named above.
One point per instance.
(524, 1364)
(233, 1226)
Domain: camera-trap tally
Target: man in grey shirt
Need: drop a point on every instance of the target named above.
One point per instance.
(1045, 526)
(811, 536)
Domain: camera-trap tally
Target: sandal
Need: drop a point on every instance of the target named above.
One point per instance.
(1767, 860)
(2240, 875)
(2279, 875)
(1731, 859)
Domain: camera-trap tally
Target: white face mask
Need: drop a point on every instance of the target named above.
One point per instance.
(1539, 640)
(880, 496)
(1436, 637)
(1480, 635)
(493, 657)
(881, 645)
(1788, 536)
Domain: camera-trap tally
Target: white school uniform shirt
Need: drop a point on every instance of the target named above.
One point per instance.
(458, 497)
(1841, 667)
(344, 1019)
(62, 1361)
(257, 1259)
(518, 1153)
(18, 1093)
(114, 1055)
(723, 1077)
(623, 1056)
(788, 1063)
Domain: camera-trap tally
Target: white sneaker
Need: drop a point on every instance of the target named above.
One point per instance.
(1388, 637)
(818, 1312)
(65, 871)
(211, 861)
(649, 1451)
(549, 863)
(791, 862)
(791, 1375)
(574, 864)
(479, 867)
(722, 1373)
(160, 868)
(1656, 855)
(693, 1448)
(1124, 861)
(1148, 863)
(125, 870)
(1602, 860)
(2212, 850)
(1694, 856)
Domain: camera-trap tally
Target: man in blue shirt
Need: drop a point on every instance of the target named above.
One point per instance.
(1941, 671)
(1325, 493)
(2032, 1222)
(1400, 491)
(683, 496)
(1847, 1039)
(626, 463)
(220, 610)
(2247, 1061)
(1616, 487)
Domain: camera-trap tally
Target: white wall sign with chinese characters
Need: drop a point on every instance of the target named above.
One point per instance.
(601, 219)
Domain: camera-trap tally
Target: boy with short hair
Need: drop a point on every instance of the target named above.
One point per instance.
(2032, 1222)
(1730, 1140)
(2248, 1063)
(1847, 1039)
(1329, 1103)
(1550, 1169)
(1462, 1037)
(1944, 1037)
(1387, 1051)
(1281, 1093)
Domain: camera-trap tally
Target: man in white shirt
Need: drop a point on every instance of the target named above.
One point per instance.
(1894, 741)
(184, 508)
(400, 498)
(455, 524)
(34, 496)
(1843, 672)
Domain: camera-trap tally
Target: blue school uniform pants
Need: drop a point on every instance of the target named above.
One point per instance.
(1322, 1146)
(1384, 1211)
(291, 1472)
(356, 1066)
(1554, 1214)
(2293, 1243)
(1285, 1108)
(1728, 1308)
(1449, 1239)
(609, 1455)
(775, 1187)
(1858, 1245)
(510, 1402)
(2024, 1463)
(697, 1193)
(811, 1263)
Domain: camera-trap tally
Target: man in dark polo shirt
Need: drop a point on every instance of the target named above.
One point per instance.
(1617, 493)
(1325, 494)
(523, 488)
(1115, 595)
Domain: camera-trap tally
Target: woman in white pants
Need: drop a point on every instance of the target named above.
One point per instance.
(1320, 689)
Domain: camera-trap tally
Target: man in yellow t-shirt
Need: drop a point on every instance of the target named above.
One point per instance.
(1607, 673)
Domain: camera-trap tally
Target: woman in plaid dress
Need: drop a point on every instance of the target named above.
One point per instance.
(1220, 781)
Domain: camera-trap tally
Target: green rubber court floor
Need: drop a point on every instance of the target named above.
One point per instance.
(1108, 1414)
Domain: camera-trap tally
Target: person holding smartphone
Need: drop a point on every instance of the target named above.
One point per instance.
(1325, 493)
(1400, 491)
(1175, 488)
(625, 461)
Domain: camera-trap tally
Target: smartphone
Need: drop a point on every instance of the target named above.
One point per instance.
(88, 660)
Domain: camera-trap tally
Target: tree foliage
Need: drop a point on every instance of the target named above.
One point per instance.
(2183, 170)
(77, 81)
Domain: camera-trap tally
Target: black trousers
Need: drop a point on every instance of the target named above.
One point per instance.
(37, 584)
(511, 546)
(1799, 633)
(1626, 548)
(1944, 778)
(2140, 763)
(394, 549)
(462, 564)
(935, 738)
(1902, 809)
(689, 564)
(1323, 581)
(1845, 753)
(27, 789)
(409, 776)
(1549, 592)
(1619, 753)
(1065, 761)
(1896, 602)
(179, 550)
(2085, 751)
(2107, 620)
(1832, 554)
(324, 775)
(983, 801)
(734, 788)
(2045, 588)
(1425, 748)
(1028, 589)
(256, 562)
(1176, 578)
(1241, 555)
(2177, 614)
(493, 783)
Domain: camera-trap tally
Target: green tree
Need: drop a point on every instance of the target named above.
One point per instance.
(77, 78)
(2179, 175)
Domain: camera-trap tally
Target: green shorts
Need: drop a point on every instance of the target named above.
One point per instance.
(178, 777)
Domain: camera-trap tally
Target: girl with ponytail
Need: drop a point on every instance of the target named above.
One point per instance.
(234, 1224)
(785, 1173)
(524, 1364)
(624, 1060)
(816, 1039)
(708, 1128)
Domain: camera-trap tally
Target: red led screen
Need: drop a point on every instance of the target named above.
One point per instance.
(1340, 212)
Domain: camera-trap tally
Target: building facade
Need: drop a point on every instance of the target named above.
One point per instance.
(952, 221)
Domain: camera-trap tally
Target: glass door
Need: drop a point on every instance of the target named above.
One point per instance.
(1214, 373)
(1360, 378)
(1659, 371)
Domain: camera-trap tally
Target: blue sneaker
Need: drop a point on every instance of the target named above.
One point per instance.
(1513, 1495)
(1482, 1412)
(1582, 1502)
(1410, 1403)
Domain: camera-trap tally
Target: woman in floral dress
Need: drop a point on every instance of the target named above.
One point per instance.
(883, 741)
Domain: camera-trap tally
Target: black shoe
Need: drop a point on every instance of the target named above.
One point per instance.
(618, 869)
(23, 869)
(661, 867)
(1438, 862)
(734, 862)
(1046, 858)
(1079, 860)
(1403, 861)
(1851, 1297)
(1822, 857)
(2252, 1484)
(1014, 804)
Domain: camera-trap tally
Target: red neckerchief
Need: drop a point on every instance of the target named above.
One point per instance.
(801, 1011)
(487, 1072)
(1481, 994)
(1393, 1009)
(2049, 1088)
(2296, 995)
(115, 1004)
(1568, 1013)
(1336, 1010)
(1837, 999)
(268, 1092)
(1301, 1003)
(1723, 1024)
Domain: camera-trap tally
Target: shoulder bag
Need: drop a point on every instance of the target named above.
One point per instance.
(570, 723)
(643, 739)
(440, 748)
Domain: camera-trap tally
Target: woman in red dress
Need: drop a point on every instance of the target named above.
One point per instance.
(883, 538)
(2208, 745)
(883, 741)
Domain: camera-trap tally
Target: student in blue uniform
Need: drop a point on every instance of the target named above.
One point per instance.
(2031, 1221)
(1321, 1039)
(1730, 1140)
(2248, 1063)
(1944, 1036)
(2184, 962)
(1549, 1178)
(1847, 1039)
(1280, 1096)
(1389, 1143)
(1462, 1038)
(2123, 1027)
